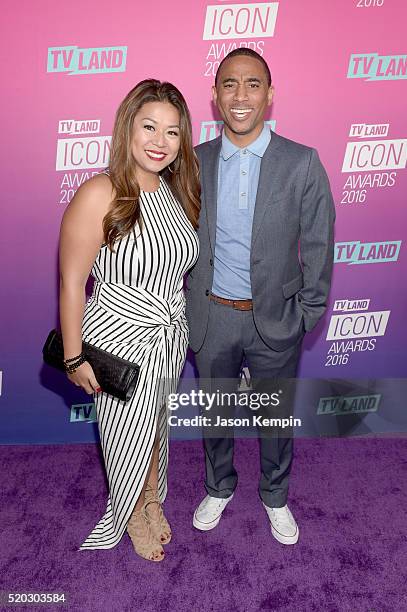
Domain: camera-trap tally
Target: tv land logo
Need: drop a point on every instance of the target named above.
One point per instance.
(356, 324)
(228, 21)
(367, 130)
(357, 252)
(83, 413)
(70, 127)
(80, 154)
(92, 60)
(375, 67)
(372, 162)
(343, 404)
(212, 129)
(251, 23)
(355, 330)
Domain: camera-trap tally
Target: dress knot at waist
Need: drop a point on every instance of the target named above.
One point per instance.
(141, 307)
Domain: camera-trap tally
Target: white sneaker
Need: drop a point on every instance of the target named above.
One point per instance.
(209, 511)
(283, 525)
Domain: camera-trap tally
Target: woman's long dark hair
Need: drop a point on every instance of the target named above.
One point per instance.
(184, 178)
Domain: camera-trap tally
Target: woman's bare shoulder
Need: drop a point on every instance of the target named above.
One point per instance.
(99, 185)
(95, 194)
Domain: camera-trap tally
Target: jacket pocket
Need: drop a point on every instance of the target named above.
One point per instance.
(293, 286)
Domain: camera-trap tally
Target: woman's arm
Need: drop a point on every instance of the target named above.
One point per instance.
(81, 237)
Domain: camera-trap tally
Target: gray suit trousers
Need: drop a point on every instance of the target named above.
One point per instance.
(232, 336)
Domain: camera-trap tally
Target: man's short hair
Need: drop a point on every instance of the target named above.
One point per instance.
(250, 53)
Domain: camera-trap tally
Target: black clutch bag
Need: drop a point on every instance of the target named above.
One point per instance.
(116, 376)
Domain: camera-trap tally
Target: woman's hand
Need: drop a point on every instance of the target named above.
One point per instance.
(84, 377)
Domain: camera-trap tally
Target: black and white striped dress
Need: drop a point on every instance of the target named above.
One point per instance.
(136, 311)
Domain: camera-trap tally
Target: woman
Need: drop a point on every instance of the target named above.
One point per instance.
(132, 228)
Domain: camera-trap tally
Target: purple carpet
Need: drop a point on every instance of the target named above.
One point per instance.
(349, 497)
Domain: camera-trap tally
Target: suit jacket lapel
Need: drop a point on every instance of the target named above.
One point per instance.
(269, 169)
(210, 182)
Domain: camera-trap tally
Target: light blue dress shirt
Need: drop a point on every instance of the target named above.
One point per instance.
(238, 179)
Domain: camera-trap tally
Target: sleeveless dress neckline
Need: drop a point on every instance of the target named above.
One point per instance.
(158, 188)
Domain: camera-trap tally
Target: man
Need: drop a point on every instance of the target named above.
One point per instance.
(252, 294)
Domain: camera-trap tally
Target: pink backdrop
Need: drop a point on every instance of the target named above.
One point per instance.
(334, 65)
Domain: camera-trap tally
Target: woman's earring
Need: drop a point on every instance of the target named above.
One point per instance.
(170, 169)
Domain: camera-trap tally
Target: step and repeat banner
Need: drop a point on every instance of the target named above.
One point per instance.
(339, 71)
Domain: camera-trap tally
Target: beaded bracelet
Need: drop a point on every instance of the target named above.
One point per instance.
(71, 367)
(73, 358)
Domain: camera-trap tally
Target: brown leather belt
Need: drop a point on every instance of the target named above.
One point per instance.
(236, 304)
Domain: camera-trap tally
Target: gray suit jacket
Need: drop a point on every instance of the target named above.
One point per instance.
(294, 210)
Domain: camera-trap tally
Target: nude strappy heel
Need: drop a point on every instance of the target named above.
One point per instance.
(159, 524)
(144, 542)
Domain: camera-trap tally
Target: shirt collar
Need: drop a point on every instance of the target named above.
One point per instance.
(257, 147)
